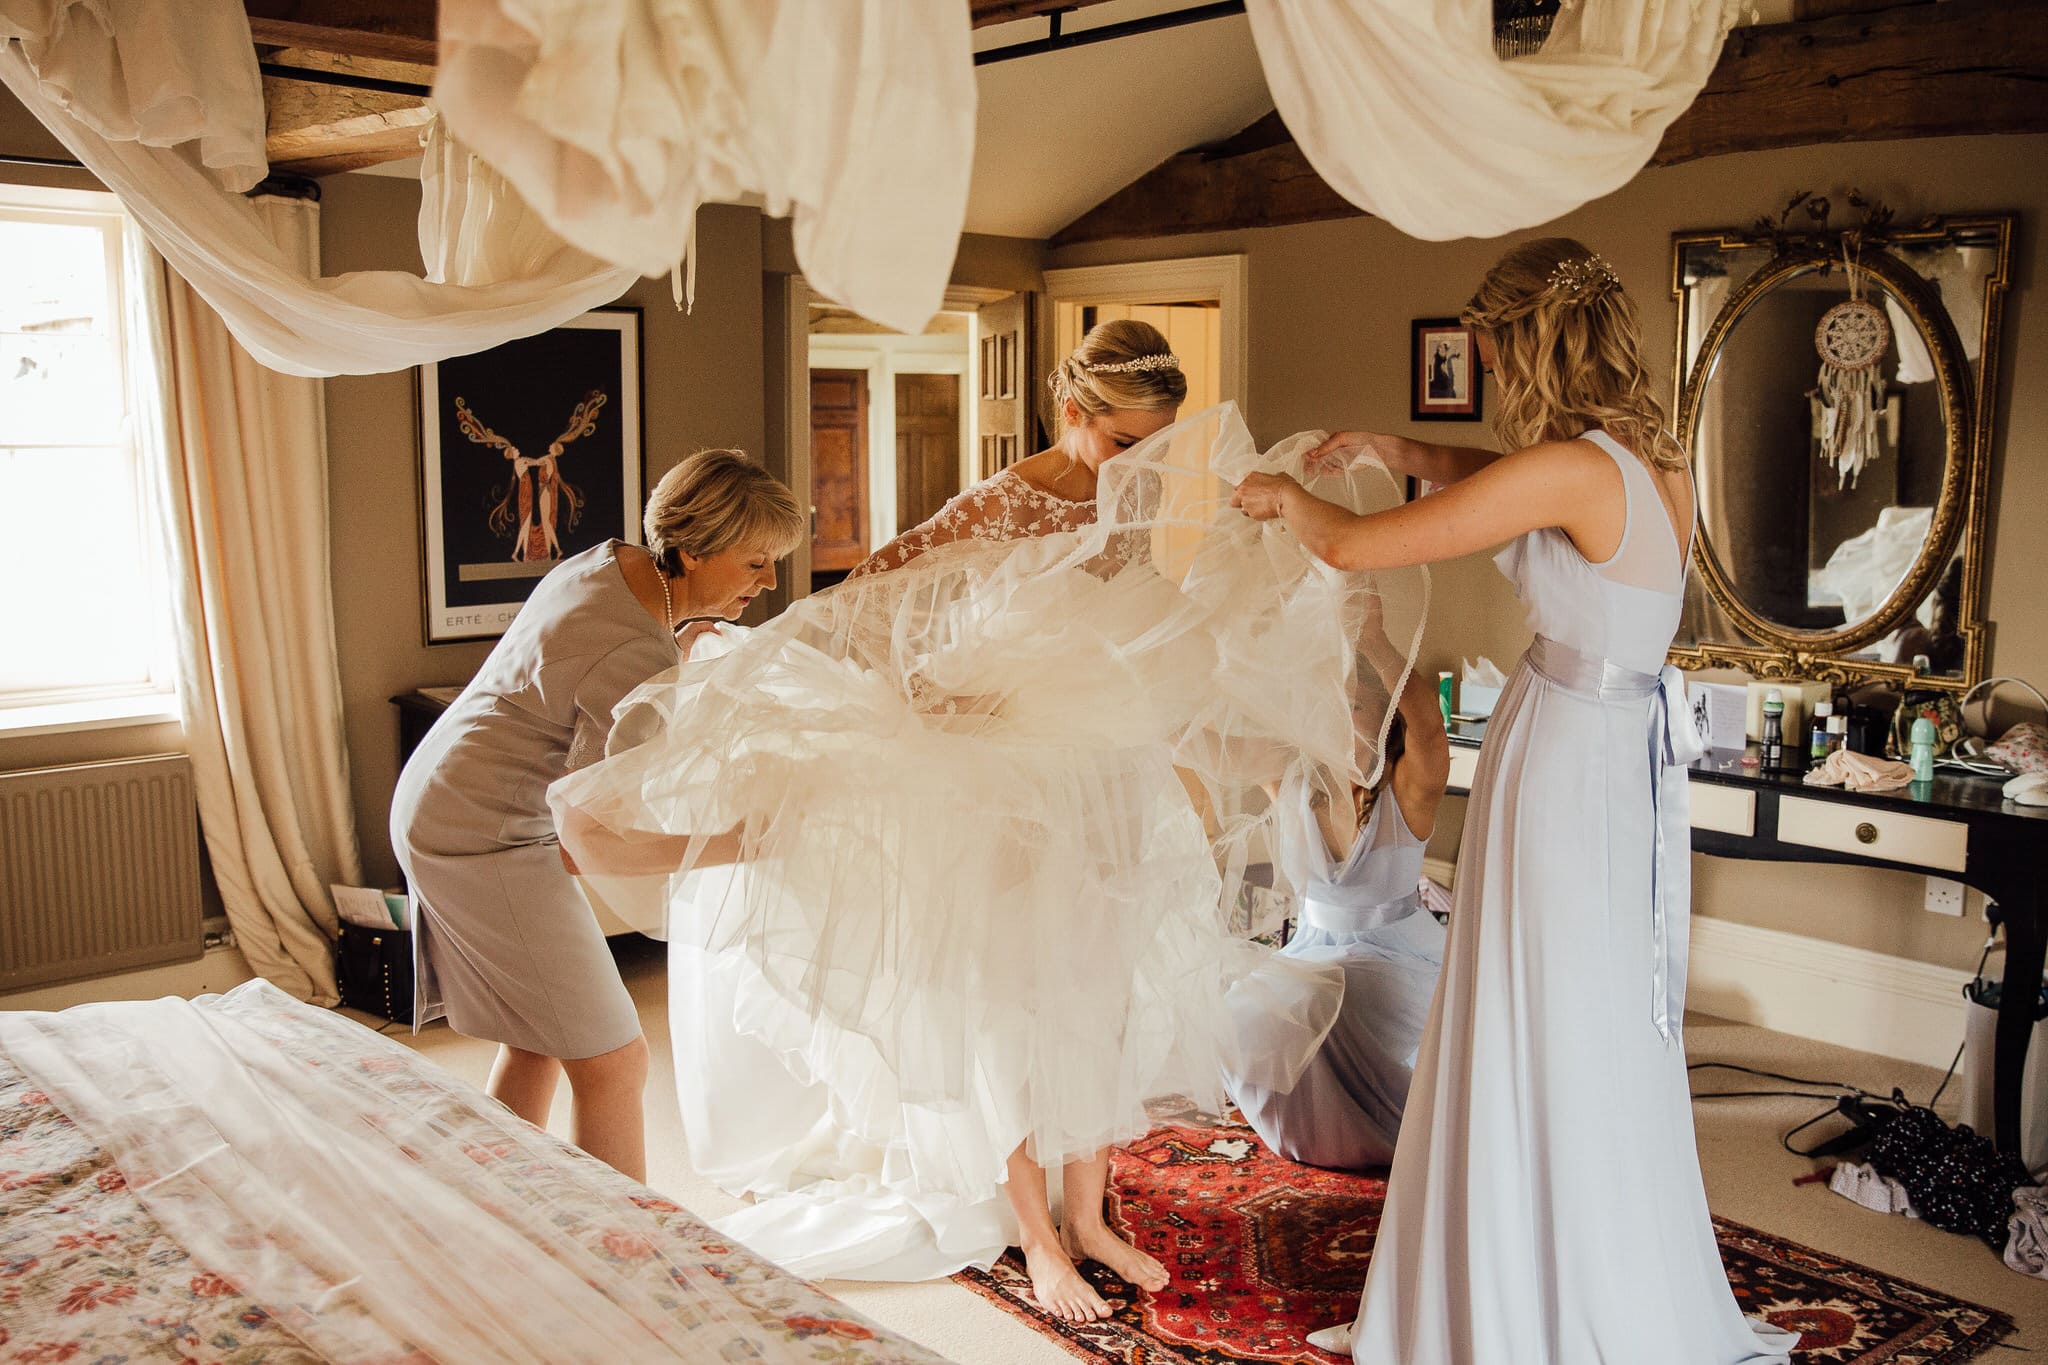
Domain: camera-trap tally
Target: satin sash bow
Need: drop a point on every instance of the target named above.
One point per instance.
(1344, 919)
(1673, 743)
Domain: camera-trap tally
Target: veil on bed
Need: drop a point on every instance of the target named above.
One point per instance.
(999, 803)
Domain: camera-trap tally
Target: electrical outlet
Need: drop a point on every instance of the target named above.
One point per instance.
(1944, 897)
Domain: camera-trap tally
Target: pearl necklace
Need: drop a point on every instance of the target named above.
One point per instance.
(668, 611)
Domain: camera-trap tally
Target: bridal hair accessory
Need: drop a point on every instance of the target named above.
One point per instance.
(1160, 360)
(1582, 280)
(1063, 386)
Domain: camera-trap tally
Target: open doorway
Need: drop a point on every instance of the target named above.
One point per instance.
(892, 425)
(1197, 302)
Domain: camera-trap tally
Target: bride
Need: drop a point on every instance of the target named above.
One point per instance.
(996, 791)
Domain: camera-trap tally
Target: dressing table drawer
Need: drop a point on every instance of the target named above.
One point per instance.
(1892, 835)
(1726, 810)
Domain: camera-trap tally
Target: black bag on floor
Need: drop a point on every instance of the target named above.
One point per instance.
(375, 971)
(1958, 1179)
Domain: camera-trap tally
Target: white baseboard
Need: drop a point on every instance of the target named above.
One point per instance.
(1830, 992)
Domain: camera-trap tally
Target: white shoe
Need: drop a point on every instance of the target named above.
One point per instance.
(1336, 1340)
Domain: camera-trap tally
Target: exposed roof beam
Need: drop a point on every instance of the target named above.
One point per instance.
(390, 30)
(404, 30)
(1920, 70)
(317, 129)
(986, 12)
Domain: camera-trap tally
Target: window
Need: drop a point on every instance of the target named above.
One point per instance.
(84, 617)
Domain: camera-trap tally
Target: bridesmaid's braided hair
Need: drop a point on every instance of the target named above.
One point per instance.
(1570, 352)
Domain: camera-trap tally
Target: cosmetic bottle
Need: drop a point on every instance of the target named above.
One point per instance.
(1773, 742)
(1817, 742)
(1923, 734)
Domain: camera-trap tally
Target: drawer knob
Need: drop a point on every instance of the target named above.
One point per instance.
(1866, 833)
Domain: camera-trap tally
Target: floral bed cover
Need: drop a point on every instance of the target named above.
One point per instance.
(87, 1275)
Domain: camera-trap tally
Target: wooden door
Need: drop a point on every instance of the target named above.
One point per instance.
(839, 469)
(927, 445)
(1004, 384)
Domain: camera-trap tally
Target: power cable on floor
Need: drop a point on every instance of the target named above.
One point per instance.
(1863, 1108)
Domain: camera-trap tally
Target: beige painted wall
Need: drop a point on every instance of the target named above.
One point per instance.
(703, 387)
(1329, 313)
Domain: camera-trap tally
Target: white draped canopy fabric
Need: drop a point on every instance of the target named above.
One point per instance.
(857, 117)
(162, 101)
(1406, 110)
(616, 120)
(586, 134)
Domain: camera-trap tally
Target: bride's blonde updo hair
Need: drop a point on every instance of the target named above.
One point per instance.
(1570, 355)
(1120, 364)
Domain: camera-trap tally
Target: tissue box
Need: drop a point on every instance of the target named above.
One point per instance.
(1799, 697)
(1476, 700)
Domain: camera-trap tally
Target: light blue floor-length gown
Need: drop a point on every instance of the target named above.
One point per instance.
(1545, 1205)
(1363, 913)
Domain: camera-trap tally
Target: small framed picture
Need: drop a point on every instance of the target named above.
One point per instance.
(529, 452)
(1444, 378)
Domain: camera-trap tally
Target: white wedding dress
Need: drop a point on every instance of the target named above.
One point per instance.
(997, 795)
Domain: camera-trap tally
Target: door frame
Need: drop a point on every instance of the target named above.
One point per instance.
(883, 358)
(1222, 280)
(794, 327)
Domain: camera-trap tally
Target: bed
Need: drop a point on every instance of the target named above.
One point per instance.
(245, 1179)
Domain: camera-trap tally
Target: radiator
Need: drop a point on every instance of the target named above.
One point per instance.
(99, 869)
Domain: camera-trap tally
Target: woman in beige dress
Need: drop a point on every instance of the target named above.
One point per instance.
(505, 947)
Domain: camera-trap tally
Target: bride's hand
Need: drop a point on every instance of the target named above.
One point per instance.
(1340, 451)
(1261, 496)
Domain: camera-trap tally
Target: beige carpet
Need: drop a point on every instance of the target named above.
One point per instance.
(1749, 1178)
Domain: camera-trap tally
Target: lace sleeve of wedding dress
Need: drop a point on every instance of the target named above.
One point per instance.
(997, 799)
(1001, 508)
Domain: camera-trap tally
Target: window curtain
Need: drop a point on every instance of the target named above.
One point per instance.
(1406, 110)
(237, 455)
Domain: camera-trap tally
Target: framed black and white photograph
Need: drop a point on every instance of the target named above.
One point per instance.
(529, 452)
(1444, 373)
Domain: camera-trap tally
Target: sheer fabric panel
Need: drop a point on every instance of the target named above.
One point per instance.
(1406, 110)
(616, 121)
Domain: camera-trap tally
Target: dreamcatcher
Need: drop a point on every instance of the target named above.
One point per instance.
(1852, 339)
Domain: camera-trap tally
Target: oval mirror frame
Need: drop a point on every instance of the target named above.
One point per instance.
(1967, 419)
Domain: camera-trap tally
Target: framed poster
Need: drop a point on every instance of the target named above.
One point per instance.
(1444, 377)
(529, 452)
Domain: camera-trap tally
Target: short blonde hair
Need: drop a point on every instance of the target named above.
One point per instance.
(1570, 353)
(1120, 364)
(717, 499)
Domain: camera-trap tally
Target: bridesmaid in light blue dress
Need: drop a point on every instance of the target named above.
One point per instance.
(1355, 862)
(1545, 1204)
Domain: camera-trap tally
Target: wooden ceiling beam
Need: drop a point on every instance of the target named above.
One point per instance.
(390, 30)
(404, 30)
(982, 13)
(1917, 70)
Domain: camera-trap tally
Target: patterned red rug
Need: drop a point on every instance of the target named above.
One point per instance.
(1263, 1251)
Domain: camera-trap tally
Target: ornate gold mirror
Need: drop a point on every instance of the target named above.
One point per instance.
(1814, 562)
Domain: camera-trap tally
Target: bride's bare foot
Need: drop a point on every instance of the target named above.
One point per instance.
(1095, 1242)
(1059, 1288)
